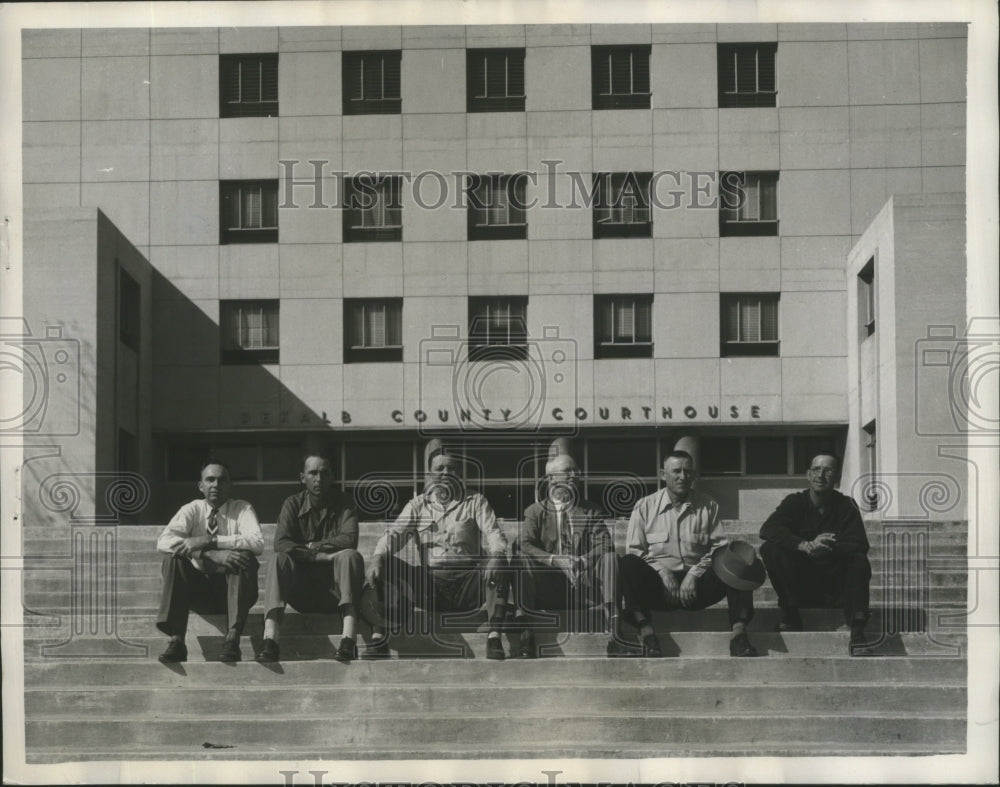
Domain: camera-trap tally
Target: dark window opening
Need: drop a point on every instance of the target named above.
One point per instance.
(494, 80)
(620, 77)
(248, 85)
(747, 75)
(249, 211)
(748, 203)
(749, 324)
(371, 83)
(496, 207)
(622, 205)
(623, 326)
(373, 210)
(373, 330)
(249, 331)
(498, 329)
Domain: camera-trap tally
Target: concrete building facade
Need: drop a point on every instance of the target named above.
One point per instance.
(611, 293)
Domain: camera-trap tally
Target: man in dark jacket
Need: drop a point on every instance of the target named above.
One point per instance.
(568, 559)
(815, 547)
(316, 566)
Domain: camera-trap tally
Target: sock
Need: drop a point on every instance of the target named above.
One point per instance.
(493, 635)
(377, 635)
(271, 628)
(347, 613)
(645, 629)
(739, 628)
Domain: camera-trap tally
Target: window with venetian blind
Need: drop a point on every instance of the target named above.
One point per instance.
(747, 75)
(249, 331)
(373, 330)
(748, 203)
(248, 85)
(622, 205)
(494, 80)
(371, 82)
(623, 326)
(749, 323)
(496, 207)
(373, 210)
(620, 77)
(248, 211)
(498, 328)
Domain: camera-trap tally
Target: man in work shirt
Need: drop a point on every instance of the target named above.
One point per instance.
(316, 566)
(209, 565)
(450, 526)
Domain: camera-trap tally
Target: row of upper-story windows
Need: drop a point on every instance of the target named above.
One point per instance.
(495, 80)
(498, 328)
(496, 207)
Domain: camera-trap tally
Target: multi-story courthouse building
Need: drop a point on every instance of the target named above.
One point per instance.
(744, 239)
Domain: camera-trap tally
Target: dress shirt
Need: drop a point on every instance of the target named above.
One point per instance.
(237, 521)
(675, 536)
(333, 524)
(796, 519)
(445, 533)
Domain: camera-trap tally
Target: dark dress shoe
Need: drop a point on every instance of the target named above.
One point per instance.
(494, 649)
(348, 650)
(859, 644)
(740, 646)
(176, 652)
(379, 649)
(790, 620)
(230, 651)
(528, 649)
(269, 652)
(651, 647)
(618, 649)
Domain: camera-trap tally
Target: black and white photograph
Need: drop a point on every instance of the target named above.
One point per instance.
(401, 392)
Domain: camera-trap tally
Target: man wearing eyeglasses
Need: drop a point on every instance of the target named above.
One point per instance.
(815, 547)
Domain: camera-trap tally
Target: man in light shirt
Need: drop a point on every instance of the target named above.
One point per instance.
(209, 564)
(450, 527)
(671, 540)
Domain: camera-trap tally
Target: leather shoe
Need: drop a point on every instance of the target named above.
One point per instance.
(790, 620)
(269, 652)
(176, 652)
(618, 649)
(651, 647)
(379, 649)
(230, 651)
(528, 649)
(859, 645)
(740, 646)
(494, 649)
(348, 650)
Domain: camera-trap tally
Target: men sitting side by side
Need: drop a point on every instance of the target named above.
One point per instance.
(316, 566)
(815, 546)
(210, 564)
(568, 558)
(450, 526)
(670, 543)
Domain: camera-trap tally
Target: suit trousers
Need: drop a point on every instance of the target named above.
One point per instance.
(540, 586)
(314, 587)
(643, 589)
(187, 589)
(841, 580)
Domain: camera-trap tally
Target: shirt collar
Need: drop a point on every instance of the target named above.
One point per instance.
(221, 509)
(664, 502)
(306, 506)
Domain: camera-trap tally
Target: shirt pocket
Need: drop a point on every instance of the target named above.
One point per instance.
(465, 534)
(658, 546)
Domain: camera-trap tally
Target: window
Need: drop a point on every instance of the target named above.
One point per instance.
(866, 298)
(494, 80)
(498, 328)
(620, 77)
(373, 330)
(623, 326)
(249, 211)
(746, 75)
(129, 309)
(621, 205)
(767, 455)
(749, 324)
(748, 203)
(249, 331)
(248, 86)
(279, 462)
(371, 83)
(721, 456)
(805, 448)
(496, 207)
(372, 209)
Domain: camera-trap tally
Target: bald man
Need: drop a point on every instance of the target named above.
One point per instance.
(568, 559)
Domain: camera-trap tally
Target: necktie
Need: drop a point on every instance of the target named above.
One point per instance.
(565, 534)
(213, 523)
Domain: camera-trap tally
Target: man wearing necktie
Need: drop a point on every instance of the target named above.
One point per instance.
(316, 566)
(568, 559)
(462, 548)
(210, 564)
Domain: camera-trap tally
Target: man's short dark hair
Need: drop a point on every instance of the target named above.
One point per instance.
(323, 455)
(830, 454)
(212, 460)
(677, 454)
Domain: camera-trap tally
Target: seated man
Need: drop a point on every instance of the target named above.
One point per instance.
(671, 540)
(316, 566)
(568, 555)
(450, 527)
(210, 565)
(815, 546)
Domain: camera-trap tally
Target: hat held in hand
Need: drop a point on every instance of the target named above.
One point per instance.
(738, 566)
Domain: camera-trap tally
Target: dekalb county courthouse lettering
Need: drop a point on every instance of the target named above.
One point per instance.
(746, 240)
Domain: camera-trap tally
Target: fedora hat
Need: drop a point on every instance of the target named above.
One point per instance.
(737, 564)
